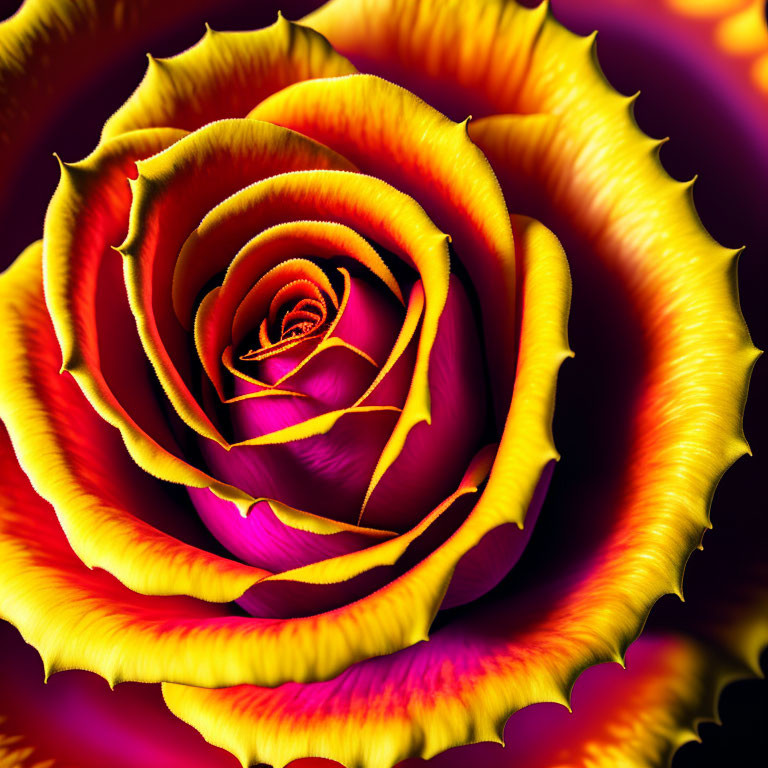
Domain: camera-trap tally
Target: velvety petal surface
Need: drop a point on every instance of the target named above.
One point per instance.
(78, 618)
(87, 217)
(678, 451)
(75, 719)
(226, 75)
(372, 208)
(569, 151)
(214, 162)
(78, 463)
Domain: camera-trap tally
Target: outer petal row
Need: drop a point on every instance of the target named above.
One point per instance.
(77, 462)
(584, 167)
(225, 75)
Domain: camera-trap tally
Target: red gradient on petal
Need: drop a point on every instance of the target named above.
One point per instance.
(611, 707)
(381, 143)
(99, 317)
(436, 455)
(221, 159)
(97, 458)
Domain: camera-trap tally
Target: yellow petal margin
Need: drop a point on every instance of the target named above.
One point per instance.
(388, 132)
(73, 475)
(78, 618)
(225, 75)
(220, 159)
(364, 203)
(98, 185)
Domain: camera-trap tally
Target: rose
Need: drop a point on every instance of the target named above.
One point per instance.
(126, 564)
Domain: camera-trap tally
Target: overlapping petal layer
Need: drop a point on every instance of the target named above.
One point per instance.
(221, 159)
(216, 317)
(87, 216)
(583, 166)
(448, 681)
(388, 132)
(368, 205)
(79, 618)
(584, 172)
(78, 463)
(678, 450)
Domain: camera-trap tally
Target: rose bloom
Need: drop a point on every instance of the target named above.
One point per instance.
(278, 385)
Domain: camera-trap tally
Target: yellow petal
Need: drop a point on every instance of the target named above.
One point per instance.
(368, 205)
(225, 75)
(390, 133)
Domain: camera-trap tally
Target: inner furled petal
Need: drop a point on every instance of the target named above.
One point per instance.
(359, 202)
(390, 133)
(257, 303)
(221, 323)
(310, 376)
(435, 454)
(366, 326)
(268, 536)
(369, 319)
(300, 301)
(301, 309)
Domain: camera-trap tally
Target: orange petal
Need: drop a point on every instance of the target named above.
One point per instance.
(264, 251)
(309, 348)
(568, 149)
(78, 618)
(220, 323)
(86, 216)
(255, 304)
(363, 203)
(395, 726)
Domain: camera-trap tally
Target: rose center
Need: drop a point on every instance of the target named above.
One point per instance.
(297, 310)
